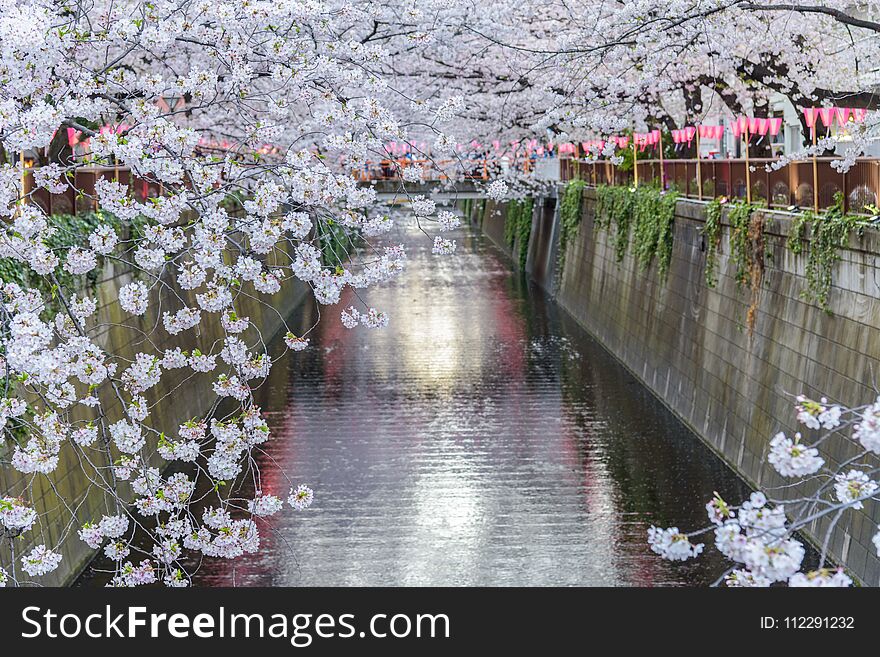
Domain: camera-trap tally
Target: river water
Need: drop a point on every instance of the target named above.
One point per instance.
(481, 439)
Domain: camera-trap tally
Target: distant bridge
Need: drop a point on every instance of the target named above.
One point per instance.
(396, 191)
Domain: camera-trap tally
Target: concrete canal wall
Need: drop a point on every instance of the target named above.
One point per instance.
(176, 400)
(689, 343)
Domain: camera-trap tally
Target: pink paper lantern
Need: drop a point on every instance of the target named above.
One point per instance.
(711, 131)
(827, 115)
(810, 114)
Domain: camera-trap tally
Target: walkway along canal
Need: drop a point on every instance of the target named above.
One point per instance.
(481, 439)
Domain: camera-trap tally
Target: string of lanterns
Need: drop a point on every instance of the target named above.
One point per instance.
(744, 128)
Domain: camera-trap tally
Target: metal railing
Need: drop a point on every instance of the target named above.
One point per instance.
(789, 186)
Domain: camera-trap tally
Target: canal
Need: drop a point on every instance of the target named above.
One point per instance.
(482, 438)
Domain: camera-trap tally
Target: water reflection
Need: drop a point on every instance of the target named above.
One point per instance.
(482, 439)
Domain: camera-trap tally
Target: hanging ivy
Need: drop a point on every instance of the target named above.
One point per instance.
(518, 227)
(748, 251)
(614, 209)
(524, 231)
(619, 216)
(466, 207)
(712, 235)
(334, 242)
(646, 213)
(481, 211)
(510, 222)
(612, 202)
(798, 233)
(828, 234)
(654, 219)
(740, 215)
(569, 219)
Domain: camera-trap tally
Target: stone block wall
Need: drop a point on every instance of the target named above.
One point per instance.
(690, 345)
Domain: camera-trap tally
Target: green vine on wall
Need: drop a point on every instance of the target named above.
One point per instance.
(569, 219)
(467, 206)
(518, 226)
(479, 209)
(610, 201)
(524, 231)
(511, 221)
(654, 215)
(748, 251)
(798, 232)
(643, 215)
(741, 250)
(712, 234)
(614, 207)
(69, 231)
(828, 234)
(333, 242)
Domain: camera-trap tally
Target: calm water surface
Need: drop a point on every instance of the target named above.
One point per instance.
(481, 439)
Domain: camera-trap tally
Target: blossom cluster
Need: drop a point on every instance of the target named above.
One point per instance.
(15, 515)
(759, 536)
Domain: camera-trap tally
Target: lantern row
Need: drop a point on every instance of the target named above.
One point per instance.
(743, 127)
(828, 114)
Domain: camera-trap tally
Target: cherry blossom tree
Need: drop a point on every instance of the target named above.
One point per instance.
(760, 535)
(251, 120)
(583, 70)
